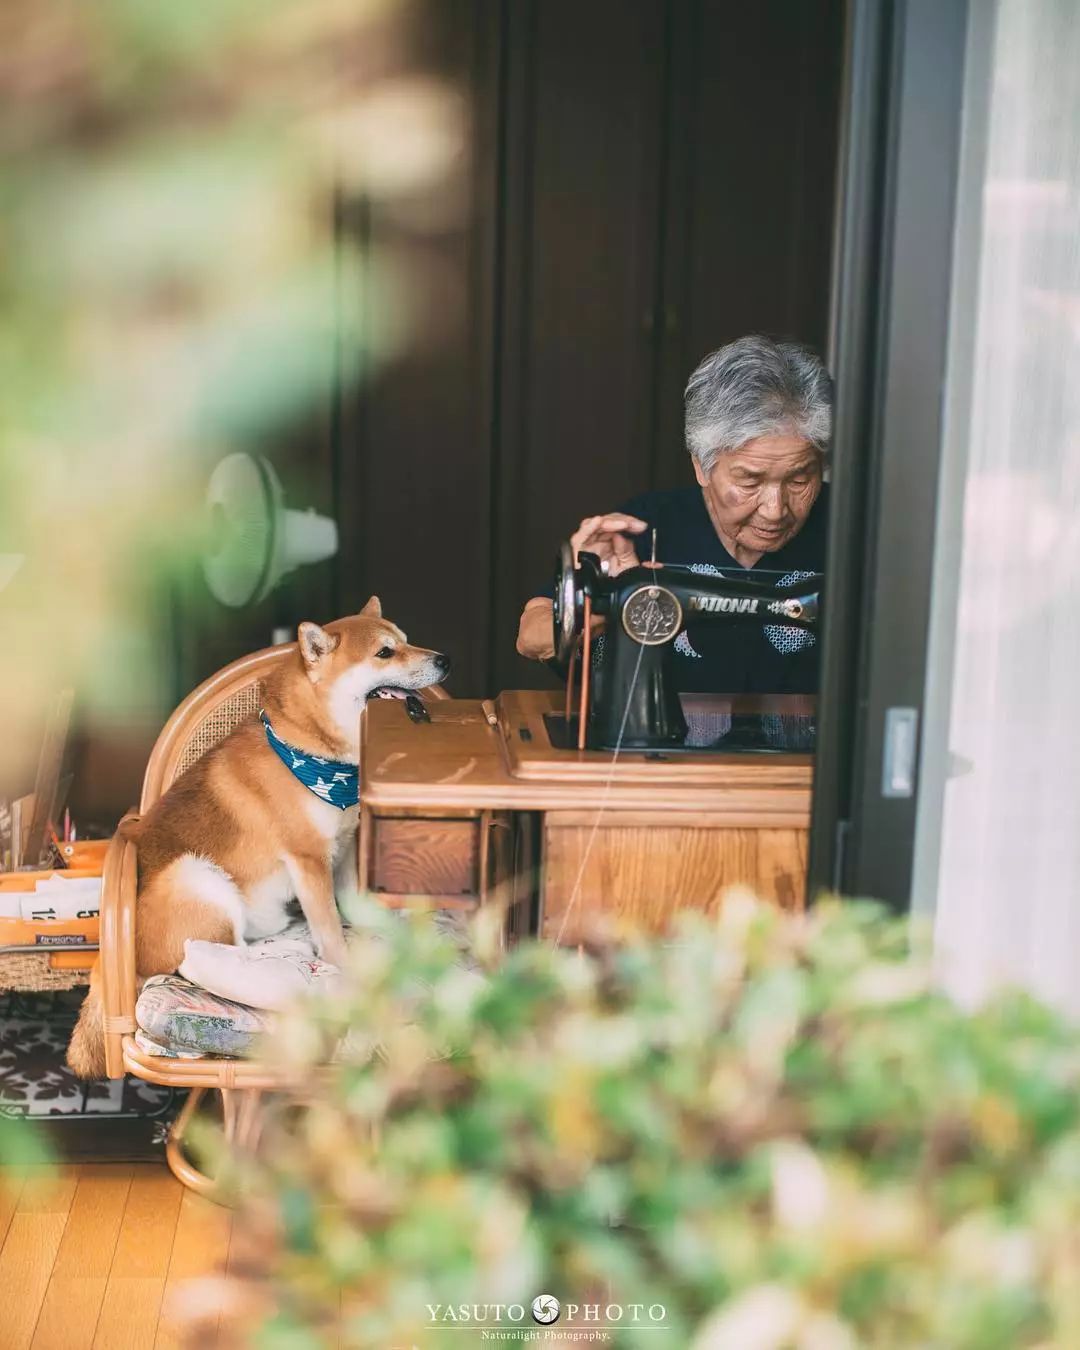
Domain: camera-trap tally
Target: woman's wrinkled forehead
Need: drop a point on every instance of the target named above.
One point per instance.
(774, 456)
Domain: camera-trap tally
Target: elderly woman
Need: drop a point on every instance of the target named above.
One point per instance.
(758, 420)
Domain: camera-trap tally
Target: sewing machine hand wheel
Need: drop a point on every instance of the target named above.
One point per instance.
(568, 609)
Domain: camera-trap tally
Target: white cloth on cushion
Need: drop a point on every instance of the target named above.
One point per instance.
(267, 974)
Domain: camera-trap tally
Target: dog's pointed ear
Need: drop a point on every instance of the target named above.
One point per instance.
(316, 644)
(373, 608)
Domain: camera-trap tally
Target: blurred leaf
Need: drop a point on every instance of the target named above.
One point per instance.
(23, 1145)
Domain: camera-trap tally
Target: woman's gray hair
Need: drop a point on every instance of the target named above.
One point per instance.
(756, 387)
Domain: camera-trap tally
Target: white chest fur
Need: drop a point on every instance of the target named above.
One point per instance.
(330, 823)
(334, 831)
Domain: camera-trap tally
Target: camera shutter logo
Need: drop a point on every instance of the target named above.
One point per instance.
(545, 1309)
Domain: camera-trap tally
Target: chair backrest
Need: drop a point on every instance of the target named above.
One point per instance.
(206, 717)
(210, 713)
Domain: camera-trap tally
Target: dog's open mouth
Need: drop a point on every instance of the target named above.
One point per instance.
(414, 704)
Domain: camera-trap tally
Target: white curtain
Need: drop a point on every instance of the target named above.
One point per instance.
(998, 860)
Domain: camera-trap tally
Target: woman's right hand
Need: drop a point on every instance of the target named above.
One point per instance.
(611, 539)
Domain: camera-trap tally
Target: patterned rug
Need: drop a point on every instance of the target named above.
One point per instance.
(105, 1118)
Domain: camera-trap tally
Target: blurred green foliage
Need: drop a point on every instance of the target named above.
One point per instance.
(23, 1148)
(174, 286)
(773, 1127)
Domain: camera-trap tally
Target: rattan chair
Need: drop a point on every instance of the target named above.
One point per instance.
(204, 718)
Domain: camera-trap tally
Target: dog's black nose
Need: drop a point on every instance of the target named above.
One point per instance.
(442, 663)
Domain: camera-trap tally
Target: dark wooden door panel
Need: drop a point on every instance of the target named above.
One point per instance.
(415, 446)
(578, 283)
(753, 131)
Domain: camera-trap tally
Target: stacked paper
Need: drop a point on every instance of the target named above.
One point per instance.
(54, 898)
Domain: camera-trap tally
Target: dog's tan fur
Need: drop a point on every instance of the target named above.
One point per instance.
(238, 837)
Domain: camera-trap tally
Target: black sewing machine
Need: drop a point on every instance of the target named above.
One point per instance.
(635, 704)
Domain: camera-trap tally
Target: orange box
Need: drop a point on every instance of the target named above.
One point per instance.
(44, 933)
(73, 960)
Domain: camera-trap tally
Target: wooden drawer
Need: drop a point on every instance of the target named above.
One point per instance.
(643, 871)
(430, 857)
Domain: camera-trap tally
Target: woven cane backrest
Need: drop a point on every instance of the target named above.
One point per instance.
(206, 717)
(208, 731)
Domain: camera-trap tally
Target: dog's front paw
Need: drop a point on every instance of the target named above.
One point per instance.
(331, 949)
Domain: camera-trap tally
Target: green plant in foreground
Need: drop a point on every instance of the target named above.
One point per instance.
(773, 1127)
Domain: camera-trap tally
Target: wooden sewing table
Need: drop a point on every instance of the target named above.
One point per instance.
(478, 802)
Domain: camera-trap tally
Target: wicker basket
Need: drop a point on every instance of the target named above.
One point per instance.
(30, 973)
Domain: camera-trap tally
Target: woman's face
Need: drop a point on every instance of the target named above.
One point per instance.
(760, 495)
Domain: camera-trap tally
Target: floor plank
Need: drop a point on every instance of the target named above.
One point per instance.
(144, 1245)
(76, 1289)
(129, 1313)
(47, 1190)
(132, 1300)
(69, 1314)
(201, 1247)
(26, 1262)
(94, 1222)
(91, 1252)
(203, 1230)
(11, 1184)
(32, 1238)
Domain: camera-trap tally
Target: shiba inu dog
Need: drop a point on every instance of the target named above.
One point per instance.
(268, 816)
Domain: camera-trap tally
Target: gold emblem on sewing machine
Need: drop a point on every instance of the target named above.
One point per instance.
(652, 615)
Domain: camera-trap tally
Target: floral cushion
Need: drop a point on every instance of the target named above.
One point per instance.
(149, 1046)
(180, 1016)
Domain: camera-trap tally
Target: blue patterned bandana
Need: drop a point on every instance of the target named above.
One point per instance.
(332, 780)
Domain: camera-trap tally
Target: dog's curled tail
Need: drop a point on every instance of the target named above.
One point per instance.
(130, 828)
(86, 1049)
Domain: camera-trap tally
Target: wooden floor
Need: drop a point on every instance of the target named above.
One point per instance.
(89, 1254)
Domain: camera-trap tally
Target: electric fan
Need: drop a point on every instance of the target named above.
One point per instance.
(253, 540)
